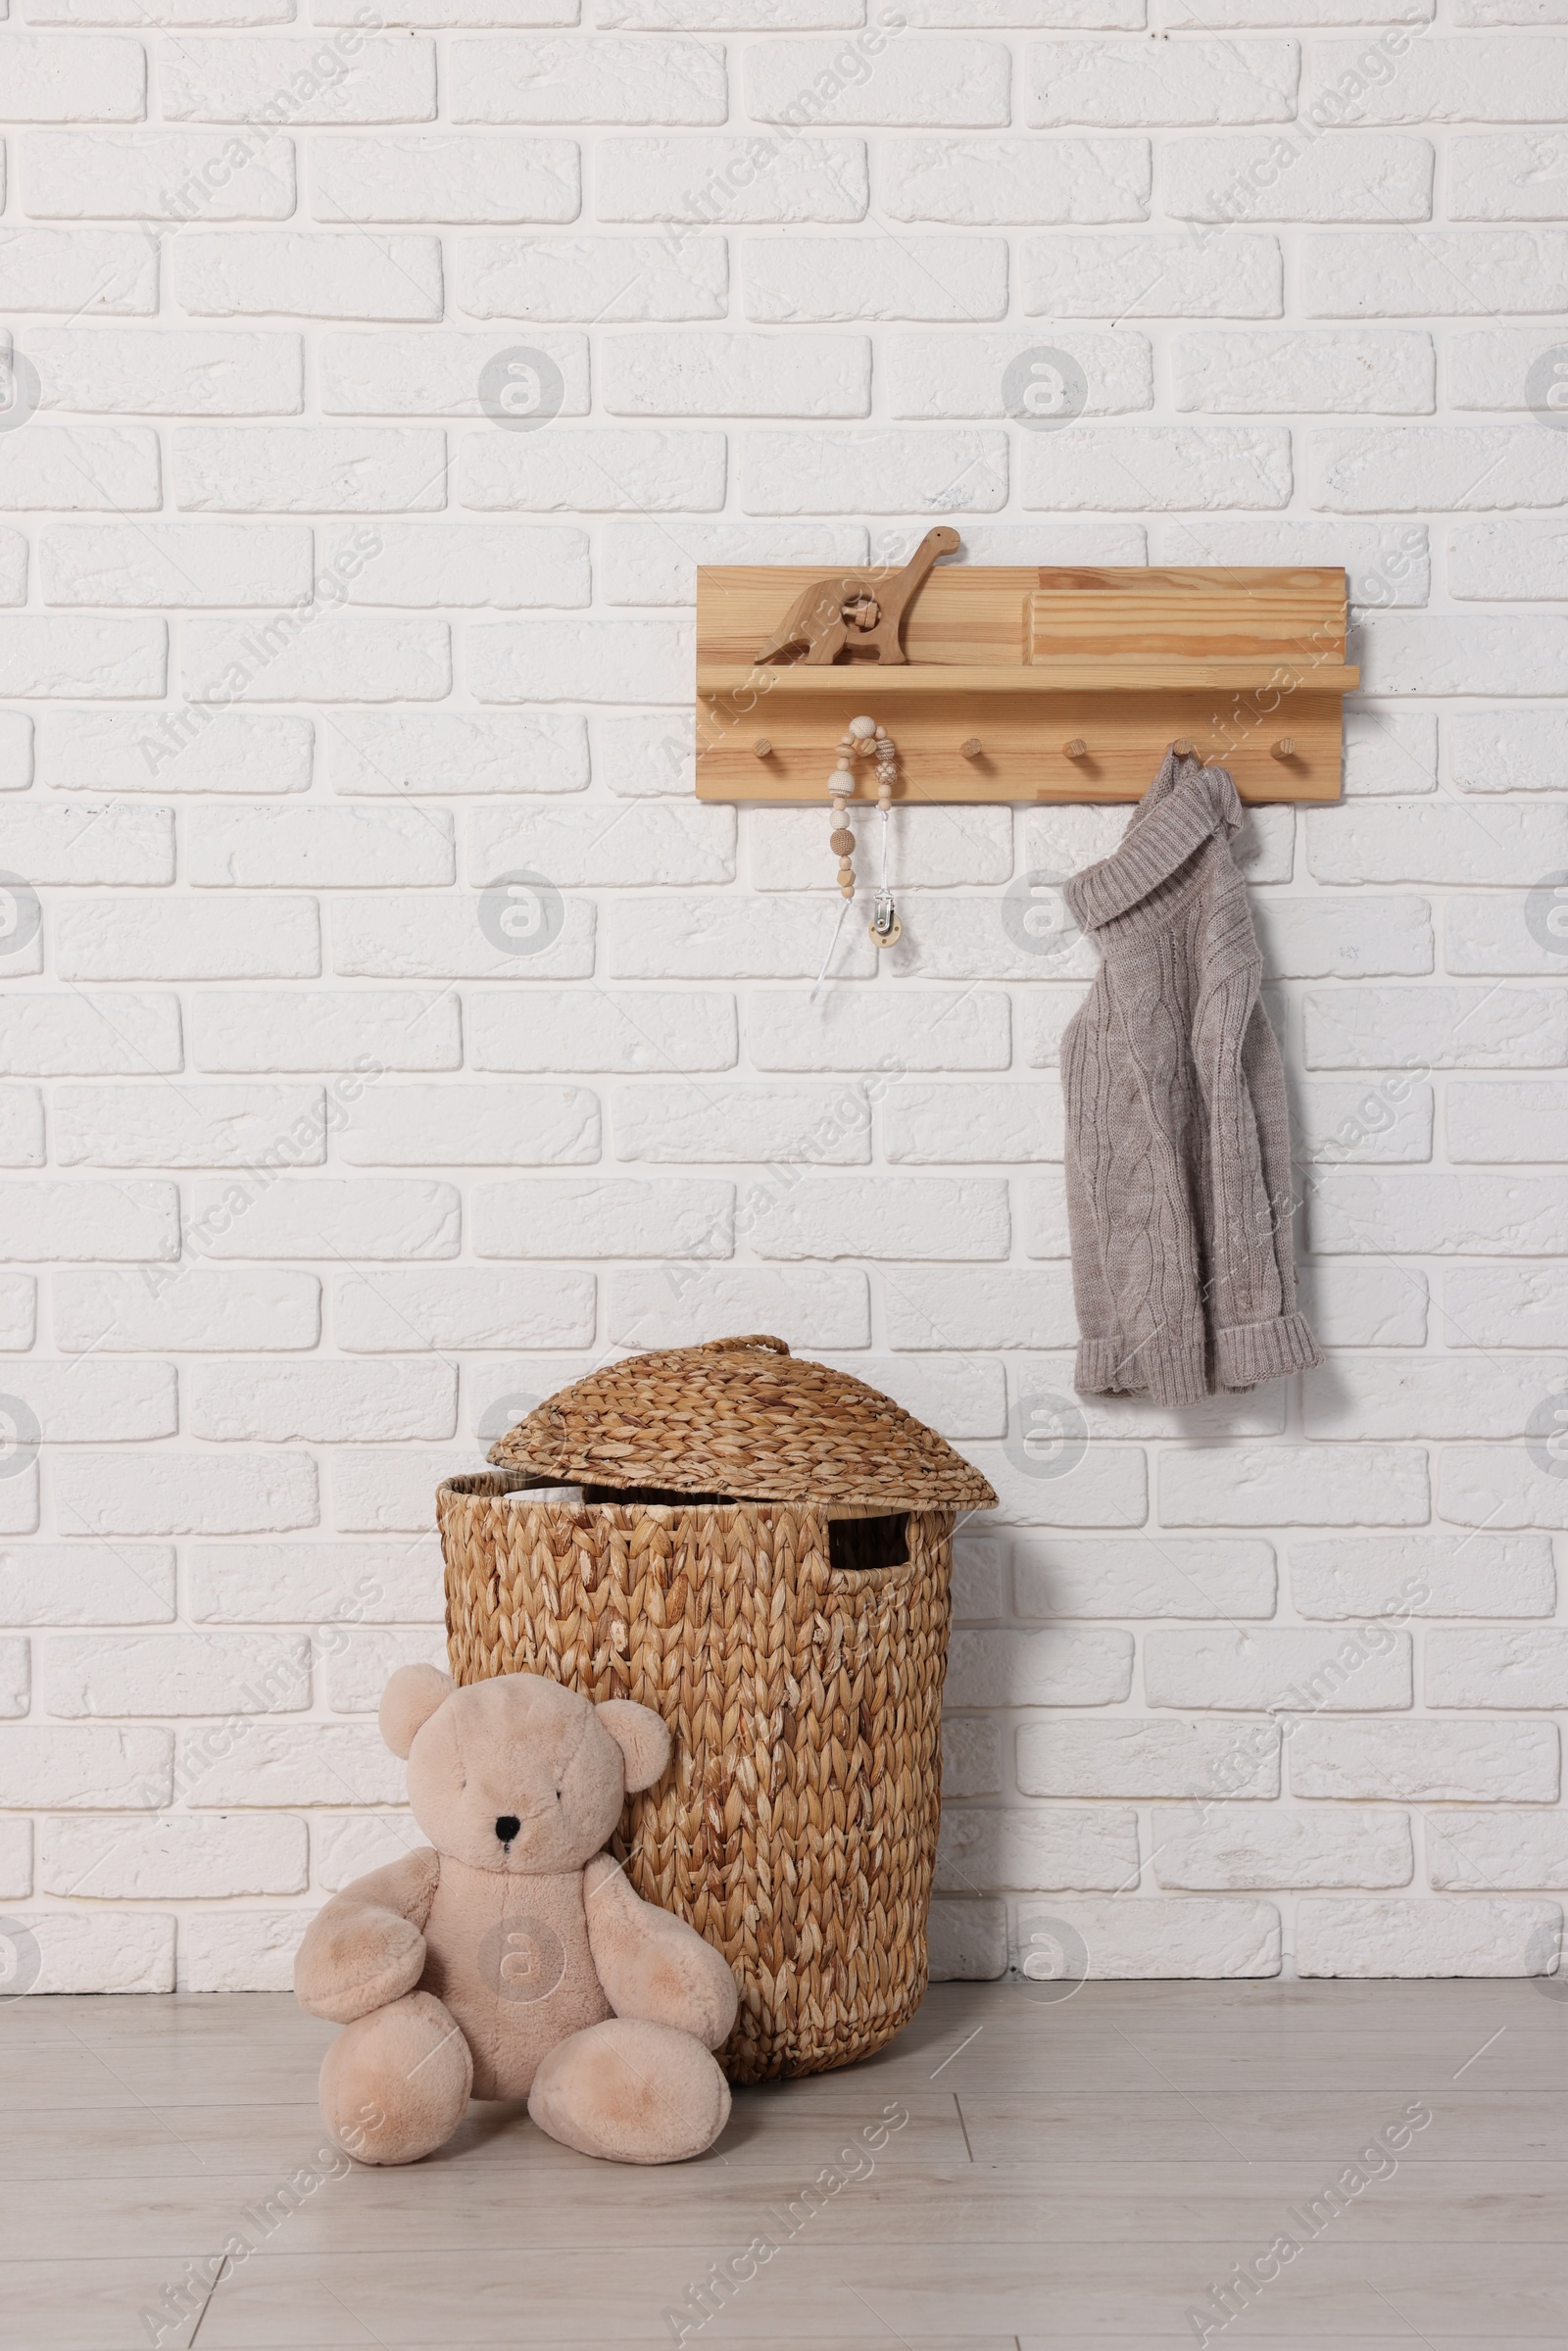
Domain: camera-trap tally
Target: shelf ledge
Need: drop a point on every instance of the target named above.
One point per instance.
(1104, 674)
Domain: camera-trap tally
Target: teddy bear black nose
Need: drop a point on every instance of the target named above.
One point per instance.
(507, 1827)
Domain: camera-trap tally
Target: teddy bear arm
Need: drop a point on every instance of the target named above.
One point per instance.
(366, 1946)
(652, 1964)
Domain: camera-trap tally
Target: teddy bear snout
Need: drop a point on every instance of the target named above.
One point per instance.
(507, 1827)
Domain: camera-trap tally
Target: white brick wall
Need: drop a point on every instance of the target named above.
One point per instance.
(327, 1151)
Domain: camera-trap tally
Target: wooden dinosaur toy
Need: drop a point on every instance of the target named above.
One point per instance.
(857, 612)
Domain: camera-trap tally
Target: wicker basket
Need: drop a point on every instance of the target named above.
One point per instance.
(762, 1554)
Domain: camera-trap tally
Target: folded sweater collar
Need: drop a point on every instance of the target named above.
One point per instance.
(1185, 805)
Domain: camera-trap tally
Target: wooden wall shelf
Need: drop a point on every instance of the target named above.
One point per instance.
(1029, 685)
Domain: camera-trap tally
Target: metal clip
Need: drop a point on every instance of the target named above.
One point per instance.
(886, 930)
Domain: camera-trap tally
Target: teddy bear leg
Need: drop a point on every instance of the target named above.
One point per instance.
(395, 2083)
(633, 2092)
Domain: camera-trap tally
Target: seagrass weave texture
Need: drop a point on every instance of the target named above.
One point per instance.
(744, 1417)
(796, 1825)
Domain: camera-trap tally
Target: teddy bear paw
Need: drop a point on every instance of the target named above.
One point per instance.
(395, 2083)
(633, 2092)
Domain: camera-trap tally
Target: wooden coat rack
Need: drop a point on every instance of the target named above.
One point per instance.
(1020, 685)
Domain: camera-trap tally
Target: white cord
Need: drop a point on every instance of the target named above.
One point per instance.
(844, 908)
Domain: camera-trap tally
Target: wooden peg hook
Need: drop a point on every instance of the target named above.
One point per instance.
(1284, 749)
(1182, 748)
(763, 748)
(1077, 749)
(971, 747)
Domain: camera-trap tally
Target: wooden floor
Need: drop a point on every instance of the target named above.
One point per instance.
(1074, 2172)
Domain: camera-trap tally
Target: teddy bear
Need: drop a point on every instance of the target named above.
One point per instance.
(510, 1957)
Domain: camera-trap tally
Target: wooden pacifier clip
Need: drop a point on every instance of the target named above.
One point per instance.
(863, 736)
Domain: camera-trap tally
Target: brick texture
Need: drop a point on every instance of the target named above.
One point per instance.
(401, 1036)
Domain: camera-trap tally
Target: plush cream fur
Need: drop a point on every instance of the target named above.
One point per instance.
(510, 1958)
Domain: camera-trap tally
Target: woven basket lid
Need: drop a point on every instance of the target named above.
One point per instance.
(745, 1417)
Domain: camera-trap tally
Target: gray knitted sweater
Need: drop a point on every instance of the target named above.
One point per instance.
(1178, 1143)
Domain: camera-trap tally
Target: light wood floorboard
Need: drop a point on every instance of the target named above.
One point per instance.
(1075, 2172)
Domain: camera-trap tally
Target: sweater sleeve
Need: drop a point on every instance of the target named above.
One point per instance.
(1259, 1331)
(1100, 1368)
(1137, 1259)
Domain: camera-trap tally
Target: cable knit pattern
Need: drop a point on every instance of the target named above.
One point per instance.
(1178, 1136)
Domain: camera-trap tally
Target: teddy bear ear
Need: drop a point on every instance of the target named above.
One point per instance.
(641, 1737)
(407, 1702)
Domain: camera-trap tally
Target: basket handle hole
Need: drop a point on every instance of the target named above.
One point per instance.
(863, 1545)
